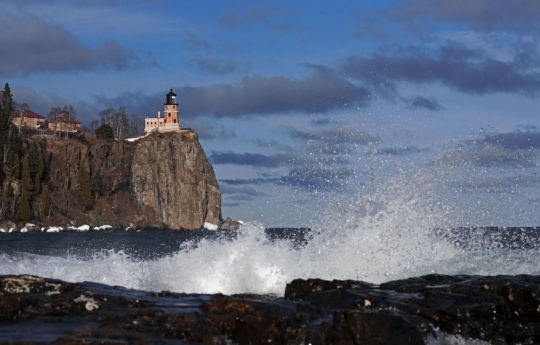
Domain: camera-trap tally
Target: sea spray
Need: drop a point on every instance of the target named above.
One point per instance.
(383, 233)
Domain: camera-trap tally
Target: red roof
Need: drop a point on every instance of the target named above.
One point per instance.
(29, 113)
(67, 119)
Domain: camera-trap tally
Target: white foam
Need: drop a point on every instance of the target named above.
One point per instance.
(210, 226)
(379, 235)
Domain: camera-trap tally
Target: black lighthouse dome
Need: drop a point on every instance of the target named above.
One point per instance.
(171, 98)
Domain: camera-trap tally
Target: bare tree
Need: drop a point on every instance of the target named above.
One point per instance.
(134, 129)
(53, 116)
(107, 117)
(93, 126)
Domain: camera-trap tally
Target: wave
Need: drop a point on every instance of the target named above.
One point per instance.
(376, 236)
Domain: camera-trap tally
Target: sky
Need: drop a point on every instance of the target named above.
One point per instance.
(303, 106)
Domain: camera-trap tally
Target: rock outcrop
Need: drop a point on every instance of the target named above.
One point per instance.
(162, 180)
(177, 181)
(431, 309)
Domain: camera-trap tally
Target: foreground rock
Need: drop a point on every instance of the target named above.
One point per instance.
(501, 310)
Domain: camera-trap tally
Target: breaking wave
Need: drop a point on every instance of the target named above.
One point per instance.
(382, 234)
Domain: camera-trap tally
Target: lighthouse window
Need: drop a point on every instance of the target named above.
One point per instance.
(174, 120)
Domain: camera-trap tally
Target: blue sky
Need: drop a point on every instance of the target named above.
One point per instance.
(300, 104)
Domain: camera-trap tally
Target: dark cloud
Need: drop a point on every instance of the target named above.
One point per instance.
(320, 91)
(420, 102)
(489, 155)
(318, 177)
(218, 66)
(400, 151)
(513, 149)
(461, 68)
(515, 140)
(503, 182)
(255, 181)
(339, 135)
(207, 129)
(31, 45)
(252, 159)
(266, 13)
(515, 15)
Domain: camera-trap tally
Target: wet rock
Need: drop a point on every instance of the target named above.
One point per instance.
(229, 224)
(500, 310)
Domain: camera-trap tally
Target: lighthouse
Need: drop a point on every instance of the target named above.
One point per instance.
(168, 121)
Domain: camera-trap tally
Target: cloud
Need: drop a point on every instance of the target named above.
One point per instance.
(321, 91)
(489, 15)
(420, 102)
(515, 140)
(318, 177)
(31, 45)
(499, 182)
(218, 66)
(240, 193)
(466, 70)
(489, 155)
(513, 149)
(400, 151)
(255, 181)
(207, 129)
(252, 159)
(340, 135)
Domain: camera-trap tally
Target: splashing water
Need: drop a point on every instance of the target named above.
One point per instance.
(380, 235)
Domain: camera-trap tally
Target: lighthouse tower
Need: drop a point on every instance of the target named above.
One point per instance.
(171, 109)
(168, 122)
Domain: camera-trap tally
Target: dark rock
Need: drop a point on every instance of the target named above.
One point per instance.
(229, 224)
(500, 310)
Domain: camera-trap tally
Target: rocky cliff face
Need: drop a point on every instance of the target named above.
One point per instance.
(176, 180)
(162, 180)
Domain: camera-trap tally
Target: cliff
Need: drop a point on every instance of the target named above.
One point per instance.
(163, 180)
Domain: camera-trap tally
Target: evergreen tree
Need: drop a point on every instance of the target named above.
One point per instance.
(47, 204)
(23, 213)
(104, 132)
(37, 166)
(85, 188)
(27, 183)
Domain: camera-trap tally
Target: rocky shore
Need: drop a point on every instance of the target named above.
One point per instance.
(422, 310)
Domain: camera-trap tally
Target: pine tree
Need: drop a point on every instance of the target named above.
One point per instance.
(23, 213)
(85, 188)
(27, 183)
(104, 132)
(37, 166)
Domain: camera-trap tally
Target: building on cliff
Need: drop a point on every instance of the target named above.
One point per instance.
(29, 119)
(166, 122)
(66, 124)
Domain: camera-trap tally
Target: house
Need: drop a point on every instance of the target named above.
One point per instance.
(29, 119)
(168, 122)
(66, 124)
